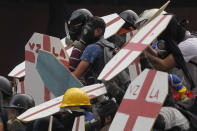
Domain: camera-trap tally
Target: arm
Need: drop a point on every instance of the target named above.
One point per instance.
(88, 57)
(162, 64)
(81, 68)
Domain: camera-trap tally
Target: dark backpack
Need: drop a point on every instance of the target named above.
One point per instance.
(119, 82)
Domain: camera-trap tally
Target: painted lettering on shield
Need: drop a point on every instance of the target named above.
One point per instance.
(33, 83)
(35, 45)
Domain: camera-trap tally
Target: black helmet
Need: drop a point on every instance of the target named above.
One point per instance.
(129, 16)
(21, 102)
(77, 20)
(5, 86)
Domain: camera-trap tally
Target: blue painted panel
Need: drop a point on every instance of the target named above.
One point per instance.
(54, 75)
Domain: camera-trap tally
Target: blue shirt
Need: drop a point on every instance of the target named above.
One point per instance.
(93, 54)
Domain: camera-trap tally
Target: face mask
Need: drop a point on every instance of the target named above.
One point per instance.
(88, 36)
(14, 124)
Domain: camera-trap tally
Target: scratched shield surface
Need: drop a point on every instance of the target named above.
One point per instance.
(142, 102)
(33, 83)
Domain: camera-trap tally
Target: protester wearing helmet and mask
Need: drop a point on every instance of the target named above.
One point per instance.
(92, 60)
(74, 103)
(130, 17)
(5, 95)
(18, 104)
(120, 38)
(76, 22)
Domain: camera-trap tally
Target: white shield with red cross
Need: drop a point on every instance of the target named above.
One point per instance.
(134, 47)
(33, 83)
(18, 71)
(142, 102)
(51, 107)
(79, 124)
(113, 24)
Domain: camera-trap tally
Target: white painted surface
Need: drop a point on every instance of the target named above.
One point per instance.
(113, 69)
(81, 126)
(18, 71)
(119, 122)
(50, 107)
(113, 28)
(142, 123)
(33, 83)
(146, 124)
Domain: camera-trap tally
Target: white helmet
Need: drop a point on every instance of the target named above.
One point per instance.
(145, 16)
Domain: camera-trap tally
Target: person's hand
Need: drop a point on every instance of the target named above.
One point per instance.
(151, 51)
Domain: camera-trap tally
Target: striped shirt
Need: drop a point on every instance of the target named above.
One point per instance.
(75, 58)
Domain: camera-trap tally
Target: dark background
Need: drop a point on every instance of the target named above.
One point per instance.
(19, 19)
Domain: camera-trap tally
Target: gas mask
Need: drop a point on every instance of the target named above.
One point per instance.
(88, 36)
(13, 122)
(162, 51)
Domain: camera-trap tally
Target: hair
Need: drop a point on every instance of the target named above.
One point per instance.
(173, 35)
(174, 31)
(98, 22)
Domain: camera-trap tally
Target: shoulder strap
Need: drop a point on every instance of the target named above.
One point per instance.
(108, 50)
(106, 44)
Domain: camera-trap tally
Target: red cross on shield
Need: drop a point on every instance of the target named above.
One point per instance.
(134, 47)
(142, 102)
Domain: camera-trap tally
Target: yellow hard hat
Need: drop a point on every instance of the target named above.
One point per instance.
(75, 97)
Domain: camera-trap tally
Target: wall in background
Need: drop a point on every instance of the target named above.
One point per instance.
(19, 22)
